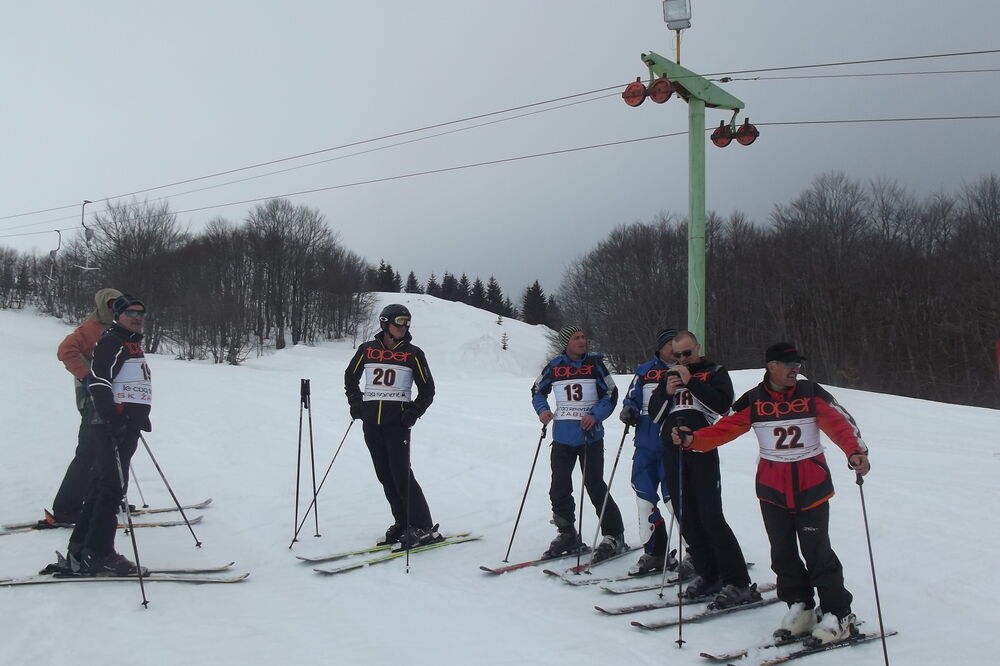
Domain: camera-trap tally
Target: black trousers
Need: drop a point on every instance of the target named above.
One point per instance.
(809, 531)
(715, 553)
(389, 446)
(95, 529)
(591, 458)
(69, 498)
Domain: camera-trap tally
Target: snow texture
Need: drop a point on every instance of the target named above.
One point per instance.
(231, 433)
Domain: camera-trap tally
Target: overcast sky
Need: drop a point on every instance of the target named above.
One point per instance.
(106, 98)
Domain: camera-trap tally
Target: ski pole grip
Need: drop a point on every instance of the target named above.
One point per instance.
(304, 393)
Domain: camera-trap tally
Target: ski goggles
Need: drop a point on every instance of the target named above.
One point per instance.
(402, 321)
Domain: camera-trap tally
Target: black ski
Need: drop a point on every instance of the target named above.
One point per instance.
(847, 642)
(668, 603)
(48, 526)
(739, 654)
(704, 615)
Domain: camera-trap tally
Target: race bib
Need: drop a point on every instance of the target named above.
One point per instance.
(574, 398)
(384, 381)
(788, 441)
(133, 383)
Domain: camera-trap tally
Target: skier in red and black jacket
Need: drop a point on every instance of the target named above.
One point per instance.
(794, 486)
(391, 365)
(694, 393)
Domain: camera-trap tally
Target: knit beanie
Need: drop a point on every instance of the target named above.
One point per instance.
(124, 302)
(665, 336)
(566, 333)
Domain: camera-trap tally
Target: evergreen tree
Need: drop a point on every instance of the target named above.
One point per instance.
(433, 288)
(396, 282)
(494, 296)
(534, 305)
(477, 296)
(463, 289)
(449, 287)
(508, 309)
(412, 286)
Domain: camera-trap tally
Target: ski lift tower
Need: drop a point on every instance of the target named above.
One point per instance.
(666, 78)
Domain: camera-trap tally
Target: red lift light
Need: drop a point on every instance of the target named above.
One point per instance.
(723, 135)
(635, 93)
(747, 133)
(660, 90)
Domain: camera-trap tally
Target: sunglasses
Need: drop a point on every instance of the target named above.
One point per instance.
(791, 365)
(683, 354)
(134, 313)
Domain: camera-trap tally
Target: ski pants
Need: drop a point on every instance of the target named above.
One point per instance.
(95, 529)
(808, 531)
(649, 481)
(591, 458)
(69, 498)
(715, 553)
(389, 446)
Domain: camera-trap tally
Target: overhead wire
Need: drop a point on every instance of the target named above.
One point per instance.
(542, 154)
(470, 118)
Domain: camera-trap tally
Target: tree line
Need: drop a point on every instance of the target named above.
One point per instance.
(882, 290)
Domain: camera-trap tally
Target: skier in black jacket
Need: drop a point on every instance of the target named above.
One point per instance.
(120, 390)
(695, 393)
(391, 365)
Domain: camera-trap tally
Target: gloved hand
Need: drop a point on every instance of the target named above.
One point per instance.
(356, 410)
(409, 417)
(629, 416)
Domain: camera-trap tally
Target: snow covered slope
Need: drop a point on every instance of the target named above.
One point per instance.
(231, 433)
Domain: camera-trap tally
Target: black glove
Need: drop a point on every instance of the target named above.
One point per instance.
(356, 410)
(629, 416)
(118, 428)
(409, 417)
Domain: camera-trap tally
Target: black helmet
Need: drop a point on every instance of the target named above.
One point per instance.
(390, 312)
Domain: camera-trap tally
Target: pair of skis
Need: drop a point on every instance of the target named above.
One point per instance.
(382, 553)
(798, 653)
(172, 575)
(19, 528)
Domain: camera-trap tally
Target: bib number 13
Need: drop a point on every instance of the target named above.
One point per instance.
(573, 391)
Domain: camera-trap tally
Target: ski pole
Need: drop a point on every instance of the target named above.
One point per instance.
(312, 459)
(409, 474)
(579, 520)
(680, 529)
(666, 557)
(197, 543)
(871, 558)
(135, 480)
(322, 481)
(607, 494)
(128, 519)
(303, 399)
(525, 496)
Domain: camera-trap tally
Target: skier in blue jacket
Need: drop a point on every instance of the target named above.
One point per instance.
(585, 395)
(649, 477)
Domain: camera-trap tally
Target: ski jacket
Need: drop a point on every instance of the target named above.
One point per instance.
(647, 378)
(76, 351)
(580, 387)
(707, 396)
(119, 382)
(390, 373)
(792, 471)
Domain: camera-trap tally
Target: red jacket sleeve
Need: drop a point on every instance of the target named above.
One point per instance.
(837, 424)
(724, 430)
(77, 349)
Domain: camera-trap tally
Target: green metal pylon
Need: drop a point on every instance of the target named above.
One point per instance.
(699, 93)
